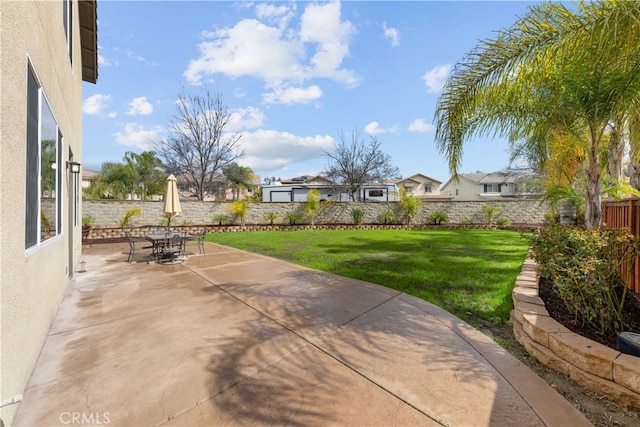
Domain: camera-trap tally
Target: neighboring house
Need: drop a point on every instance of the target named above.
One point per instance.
(492, 186)
(48, 49)
(87, 177)
(307, 179)
(223, 191)
(422, 187)
(297, 190)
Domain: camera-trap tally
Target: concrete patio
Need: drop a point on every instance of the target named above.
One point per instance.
(231, 338)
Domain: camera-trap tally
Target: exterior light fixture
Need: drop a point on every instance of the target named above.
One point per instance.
(74, 167)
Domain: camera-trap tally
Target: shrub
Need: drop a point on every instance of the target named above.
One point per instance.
(128, 215)
(220, 219)
(313, 204)
(46, 223)
(588, 267)
(465, 221)
(409, 205)
(503, 221)
(293, 217)
(357, 215)
(88, 220)
(239, 209)
(386, 216)
(437, 217)
(271, 217)
(491, 211)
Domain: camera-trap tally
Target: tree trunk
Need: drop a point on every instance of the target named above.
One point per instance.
(616, 152)
(593, 208)
(634, 173)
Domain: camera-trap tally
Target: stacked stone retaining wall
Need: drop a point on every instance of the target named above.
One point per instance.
(606, 371)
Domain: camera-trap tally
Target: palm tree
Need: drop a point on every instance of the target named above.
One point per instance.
(239, 177)
(556, 75)
(145, 168)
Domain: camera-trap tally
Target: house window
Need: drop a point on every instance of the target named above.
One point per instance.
(376, 193)
(427, 188)
(457, 191)
(44, 171)
(409, 189)
(492, 188)
(67, 20)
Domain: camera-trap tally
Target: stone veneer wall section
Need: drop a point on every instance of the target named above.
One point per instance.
(107, 213)
(597, 367)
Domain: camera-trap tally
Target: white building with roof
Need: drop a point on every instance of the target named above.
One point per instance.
(492, 186)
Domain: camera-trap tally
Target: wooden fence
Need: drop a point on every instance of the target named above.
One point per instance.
(625, 213)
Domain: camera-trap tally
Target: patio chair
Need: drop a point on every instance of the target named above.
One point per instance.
(197, 240)
(174, 251)
(177, 241)
(133, 241)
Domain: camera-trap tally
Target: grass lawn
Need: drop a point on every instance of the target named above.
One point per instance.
(469, 273)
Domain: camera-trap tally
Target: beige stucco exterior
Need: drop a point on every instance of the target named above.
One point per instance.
(33, 281)
(421, 186)
(471, 186)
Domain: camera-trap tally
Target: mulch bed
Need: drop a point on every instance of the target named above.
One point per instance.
(558, 311)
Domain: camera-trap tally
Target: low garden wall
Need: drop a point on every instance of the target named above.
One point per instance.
(116, 234)
(602, 369)
(107, 213)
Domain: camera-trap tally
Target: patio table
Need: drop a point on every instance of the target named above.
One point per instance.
(161, 245)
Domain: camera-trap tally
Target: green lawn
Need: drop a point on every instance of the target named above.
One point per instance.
(469, 273)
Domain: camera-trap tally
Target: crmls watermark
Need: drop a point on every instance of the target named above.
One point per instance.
(83, 418)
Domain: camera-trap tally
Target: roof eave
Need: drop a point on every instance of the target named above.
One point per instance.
(88, 18)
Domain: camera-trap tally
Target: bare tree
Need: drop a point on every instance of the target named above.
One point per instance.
(198, 146)
(353, 163)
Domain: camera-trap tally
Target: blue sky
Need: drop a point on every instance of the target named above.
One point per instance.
(294, 74)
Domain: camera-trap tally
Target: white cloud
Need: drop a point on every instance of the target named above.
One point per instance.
(140, 107)
(138, 136)
(293, 95)
(374, 128)
(250, 48)
(284, 55)
(321, 24)
(436, 77)
(95, 104)
(421, 126)
(391, 34)
(270, 150)
(281, 15)
(135, 56)
(245, 118)
(102, 60)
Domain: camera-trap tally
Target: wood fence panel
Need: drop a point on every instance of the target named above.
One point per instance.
(625, 213)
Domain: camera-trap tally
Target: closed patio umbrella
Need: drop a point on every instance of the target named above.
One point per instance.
(171, 200)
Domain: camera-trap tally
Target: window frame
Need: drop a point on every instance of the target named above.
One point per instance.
(38, 169)
(492, 188)
(67, 21)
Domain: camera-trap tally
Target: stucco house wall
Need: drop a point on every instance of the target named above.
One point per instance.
(470, 187)
(418, 184)
(33, 280)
